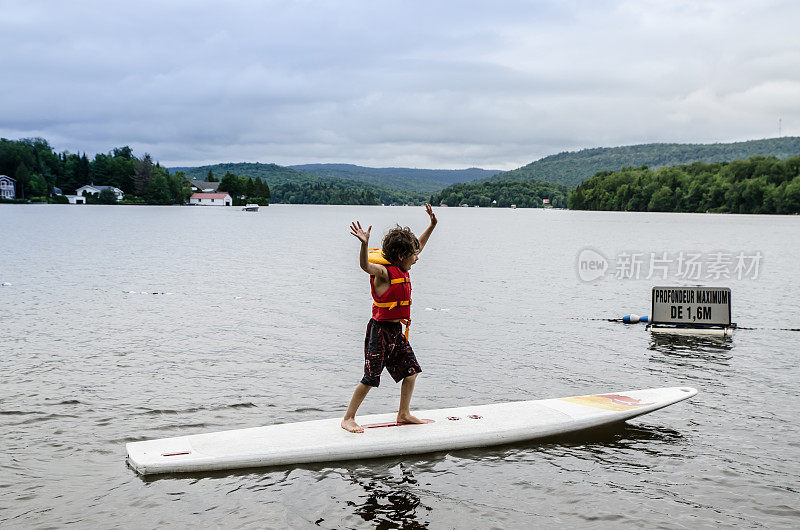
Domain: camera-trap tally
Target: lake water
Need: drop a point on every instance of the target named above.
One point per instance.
(262, 322)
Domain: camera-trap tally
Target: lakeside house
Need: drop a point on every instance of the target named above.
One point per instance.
(204, 186)
(211, 199)
(91, 188)
(7, 187)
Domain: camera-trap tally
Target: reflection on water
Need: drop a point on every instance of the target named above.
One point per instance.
(705, 360)
(389, 501)
(690, 346)
(687, 349)
(619, 435)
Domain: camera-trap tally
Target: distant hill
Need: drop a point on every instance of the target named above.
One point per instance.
(294, 186)
(759, 185)
(398, 178)
(504, 193)
(572, 168)
(272, 173)
(408, 180)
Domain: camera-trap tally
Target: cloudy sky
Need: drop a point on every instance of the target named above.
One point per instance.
(395, 83)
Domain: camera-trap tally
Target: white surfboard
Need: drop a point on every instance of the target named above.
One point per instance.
(448, 429)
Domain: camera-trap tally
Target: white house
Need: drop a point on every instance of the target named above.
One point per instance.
(91, 188)
(211, 199)
(76, 199)
(7, 189)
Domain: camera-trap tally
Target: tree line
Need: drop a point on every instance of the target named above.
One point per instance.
(38, 170)
(323, 193)
(522, 193)
(572, 168)
(243, 189)
(340, 191)
(293, 186)
(759, 184)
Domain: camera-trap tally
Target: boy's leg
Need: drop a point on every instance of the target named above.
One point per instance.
(349, 421)
(373, 366)
(404, 411)
(403, 366)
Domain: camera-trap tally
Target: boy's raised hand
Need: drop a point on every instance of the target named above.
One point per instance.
(356, 230)
(429, 211)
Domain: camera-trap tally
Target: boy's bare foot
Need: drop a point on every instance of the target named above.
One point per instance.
(352, 426)
(408, 418)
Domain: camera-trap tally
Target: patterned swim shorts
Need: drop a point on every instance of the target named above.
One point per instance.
(386, 346)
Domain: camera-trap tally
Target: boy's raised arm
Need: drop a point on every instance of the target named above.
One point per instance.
(373, 269)
(427, 233)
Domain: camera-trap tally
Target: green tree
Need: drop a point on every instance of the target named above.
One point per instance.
(231, 184)
(575, 201)
(123, 152)
(143, 172)
(98, 170)
(107, 196)
(180, 188)
(70, 182)
(121, 173)
(662, 201)
(22, 175)
(37, 186)
(83, 171)
(791, 197)
(158, 191)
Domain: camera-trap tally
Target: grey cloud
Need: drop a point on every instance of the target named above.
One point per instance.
(452, 84)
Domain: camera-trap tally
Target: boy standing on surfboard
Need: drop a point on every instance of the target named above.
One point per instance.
(385, 344)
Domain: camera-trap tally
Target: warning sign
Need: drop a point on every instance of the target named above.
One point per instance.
(691, 305)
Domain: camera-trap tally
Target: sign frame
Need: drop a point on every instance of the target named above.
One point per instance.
(687, 299)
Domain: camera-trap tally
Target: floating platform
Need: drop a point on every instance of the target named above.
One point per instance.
(726, 331)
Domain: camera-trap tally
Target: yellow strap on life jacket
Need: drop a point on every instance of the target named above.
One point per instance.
(391, 305)
(401, 280)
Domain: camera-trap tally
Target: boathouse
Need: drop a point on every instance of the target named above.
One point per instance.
(211, 199)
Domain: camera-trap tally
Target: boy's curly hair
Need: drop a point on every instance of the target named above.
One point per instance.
(398, 244)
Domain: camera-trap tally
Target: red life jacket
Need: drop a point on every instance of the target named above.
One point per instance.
(395, 303)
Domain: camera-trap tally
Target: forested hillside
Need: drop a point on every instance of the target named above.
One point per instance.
(572, 168)
(273, 174)
(38, 170)
(523, 194)
(298, 187)
(340, 191)
(398, 178)
(757, 185)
